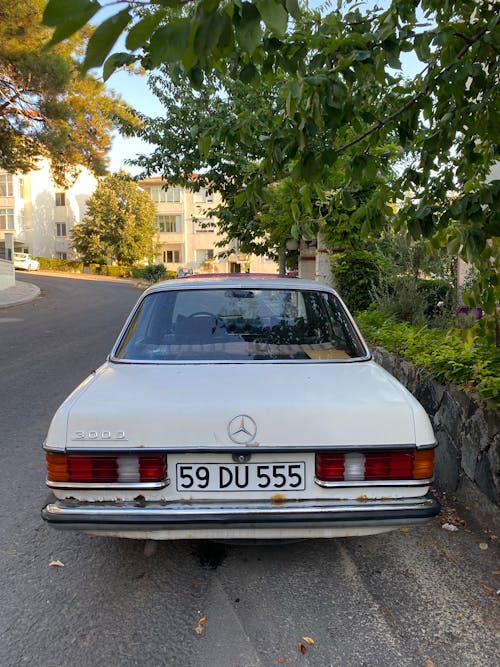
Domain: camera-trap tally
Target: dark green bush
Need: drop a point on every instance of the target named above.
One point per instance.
(53, 264)
(358, 273)
(438, 296)
(154, 273)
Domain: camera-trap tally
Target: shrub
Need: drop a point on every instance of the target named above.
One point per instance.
(53, 264)
(417, 300)
(358, 273)
(447, 355)
(154, 272)
(109, 270)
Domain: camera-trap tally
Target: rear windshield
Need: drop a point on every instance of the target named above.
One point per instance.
(240, 324)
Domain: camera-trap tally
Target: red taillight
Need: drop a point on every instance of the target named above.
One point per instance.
(388, 465)
(152, 468)
(106, 469)
(330, 467)
(375, 466)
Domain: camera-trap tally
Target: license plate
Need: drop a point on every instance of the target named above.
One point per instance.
(288, 476)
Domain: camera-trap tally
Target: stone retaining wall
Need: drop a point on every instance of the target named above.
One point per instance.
(468, 433)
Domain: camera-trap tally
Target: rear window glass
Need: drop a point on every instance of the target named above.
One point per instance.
(240, 324)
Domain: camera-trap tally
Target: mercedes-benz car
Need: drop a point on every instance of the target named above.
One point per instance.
(239, 407)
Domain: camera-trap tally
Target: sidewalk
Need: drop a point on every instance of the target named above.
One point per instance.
(20, 293)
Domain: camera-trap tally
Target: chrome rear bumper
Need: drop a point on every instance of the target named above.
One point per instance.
(174, 516)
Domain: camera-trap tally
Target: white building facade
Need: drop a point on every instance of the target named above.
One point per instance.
(40, 214)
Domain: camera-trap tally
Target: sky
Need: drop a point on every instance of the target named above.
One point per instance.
(134, 89)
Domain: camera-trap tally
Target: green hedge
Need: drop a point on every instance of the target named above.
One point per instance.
(450, 356)
(52, 264)
(108, 270)
(152, 273)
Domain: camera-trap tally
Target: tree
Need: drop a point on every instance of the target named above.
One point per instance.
(46, 107)
(119, 224)
(332, 69)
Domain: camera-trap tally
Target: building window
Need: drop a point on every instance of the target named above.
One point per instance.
(160, 195)
(203, 225)
(169, 223)
(6, 185)
(171, 257)
(7, 218)
(202, 255)
(60, 199)
(61, 229)
(203, 197)
(61, 255)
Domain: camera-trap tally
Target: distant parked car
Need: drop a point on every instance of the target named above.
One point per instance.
(239, 407)
(22, 260)
(183, 273)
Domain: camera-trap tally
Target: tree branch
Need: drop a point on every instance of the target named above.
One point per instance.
(411, 102)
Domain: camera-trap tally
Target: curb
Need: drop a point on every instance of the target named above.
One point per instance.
(19, 294)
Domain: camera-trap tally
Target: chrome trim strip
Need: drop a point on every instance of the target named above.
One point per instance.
(108, 485)
(174, 515)
(231, 448)
(198, 362)
(369, 482)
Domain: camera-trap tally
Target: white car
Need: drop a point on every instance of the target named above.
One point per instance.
(239, 407)
(22, 260)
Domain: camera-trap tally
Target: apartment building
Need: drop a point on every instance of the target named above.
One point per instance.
(40, 214)
(187, 236)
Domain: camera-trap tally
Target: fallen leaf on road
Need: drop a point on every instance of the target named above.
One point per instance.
(449, 557)
(429, 663)
(487, 589)
(483, 546)
(471, 603)
(496, 572)
(404, 529)
(56, 563)
(302, 648)
(386, 610)
(308, 640)
(199, 628)
(281, 659)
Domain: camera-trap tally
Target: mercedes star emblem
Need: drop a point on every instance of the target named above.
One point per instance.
(242, 429)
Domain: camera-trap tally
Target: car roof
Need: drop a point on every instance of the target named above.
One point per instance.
(239, 280)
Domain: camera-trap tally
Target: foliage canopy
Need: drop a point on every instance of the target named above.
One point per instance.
(119, 224)
(46, 108)
(340, 101)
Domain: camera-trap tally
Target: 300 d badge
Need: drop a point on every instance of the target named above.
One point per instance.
(237, 477)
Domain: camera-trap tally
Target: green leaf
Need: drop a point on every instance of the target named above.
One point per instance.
(196, 77)
(248, 73)
(247, 27)
(141, 31)
(115, 61)
(61, 11)
(293, 8)
(168, 44)
(103, 39)
(70, 27)
(274, 16)
(204, 143)
(208, 33)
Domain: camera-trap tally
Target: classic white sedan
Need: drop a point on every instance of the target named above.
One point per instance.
(239, 407)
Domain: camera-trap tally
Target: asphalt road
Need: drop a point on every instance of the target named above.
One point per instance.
(421, 597)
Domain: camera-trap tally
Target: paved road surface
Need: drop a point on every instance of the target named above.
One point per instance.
(419, 598)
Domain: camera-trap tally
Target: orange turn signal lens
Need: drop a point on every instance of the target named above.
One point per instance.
(57, 467)
(423, 464)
